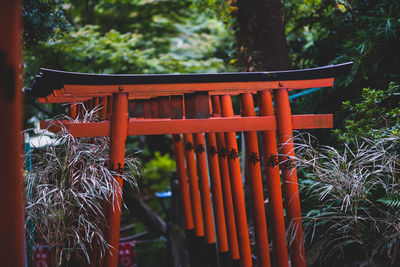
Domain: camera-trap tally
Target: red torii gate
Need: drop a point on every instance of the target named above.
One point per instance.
(193, 104)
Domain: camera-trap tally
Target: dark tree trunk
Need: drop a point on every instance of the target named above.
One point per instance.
(260, 36)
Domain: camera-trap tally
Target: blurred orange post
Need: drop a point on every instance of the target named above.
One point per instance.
(11, 204)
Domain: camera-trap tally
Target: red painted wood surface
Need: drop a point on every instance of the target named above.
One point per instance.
(11, 203)
(237, 187)
(103, 112)
(273, 182)
(226, 187)
(194, 186)
(215, 124)
(151, 90)
(256, 187)
(72, 111)
(204, 188)
(289, 176)
(218, 201)
(117, 154)
(183, 183)
(194, 107)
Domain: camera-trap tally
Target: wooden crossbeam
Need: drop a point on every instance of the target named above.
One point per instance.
(78, 93)
(168, 126)
(181, 88)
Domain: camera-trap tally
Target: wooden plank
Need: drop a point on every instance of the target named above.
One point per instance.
(163, 107)
(202, 105)
(90, 91)
(182, 88)
(175, 126)
(176, 107)
(139, 109)
(132, 109)
(147, 109)
(189, 104)
(154, 108)
(311, 121)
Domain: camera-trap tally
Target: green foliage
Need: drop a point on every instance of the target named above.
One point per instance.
(336, 31)
(43, 19)
(368, 32)
(158, 171)
(378, 109)
(391, 201)
(350, 198)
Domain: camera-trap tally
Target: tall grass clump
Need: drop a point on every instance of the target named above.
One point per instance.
(352, 198)
(71, 188)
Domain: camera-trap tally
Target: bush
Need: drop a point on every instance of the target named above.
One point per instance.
(68, 188)
(352, 197)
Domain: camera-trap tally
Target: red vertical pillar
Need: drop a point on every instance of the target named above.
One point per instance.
(273, 181)
(176, 113)
(183, 184)
(237, 187)
(119, 124)
(103, 108)
(194, 185)
(109, 107)
(197, 106)
(226, 187)
(11, 226)
(289, 174)
(218, 202)
(72, 111)
(96, 103)
(256, 187)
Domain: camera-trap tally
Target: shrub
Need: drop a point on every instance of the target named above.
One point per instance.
(70, 186)
(352, 196)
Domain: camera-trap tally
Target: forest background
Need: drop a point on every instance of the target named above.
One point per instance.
(192, 36)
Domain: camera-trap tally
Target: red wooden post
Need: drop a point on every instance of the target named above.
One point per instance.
(11, 204)
(289, 175)
(119, 122)
(256, 187)
(109, 107)
(96, 103)
(194, 186)
(218, 202)
(176, 113)
(72, 111)
(237, 187)
(191, 110)
(226, 187)
(273, 181)
(103, 106)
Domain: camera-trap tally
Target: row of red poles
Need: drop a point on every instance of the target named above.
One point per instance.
(215, 215)
(228, 198)
(214, 212)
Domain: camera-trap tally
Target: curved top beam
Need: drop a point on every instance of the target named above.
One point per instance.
(49, 80)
